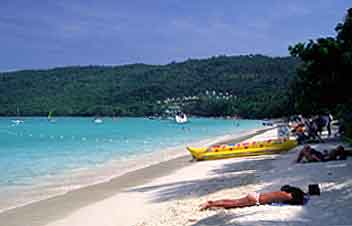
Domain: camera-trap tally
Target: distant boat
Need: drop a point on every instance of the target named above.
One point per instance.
(181, 118)
(98, 120)
(17, 121)
(50, 117)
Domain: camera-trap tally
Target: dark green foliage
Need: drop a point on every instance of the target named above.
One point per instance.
(324, 79)
(257, 84)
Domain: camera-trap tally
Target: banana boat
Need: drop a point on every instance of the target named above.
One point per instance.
(242, 149)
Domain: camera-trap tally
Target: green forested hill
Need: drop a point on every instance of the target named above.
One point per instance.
(249, 86)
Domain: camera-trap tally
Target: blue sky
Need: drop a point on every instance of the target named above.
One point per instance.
(50, 33)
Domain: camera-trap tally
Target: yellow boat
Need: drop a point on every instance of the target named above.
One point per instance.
(242, 149)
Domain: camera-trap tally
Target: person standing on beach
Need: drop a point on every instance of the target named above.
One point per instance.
(328, 119)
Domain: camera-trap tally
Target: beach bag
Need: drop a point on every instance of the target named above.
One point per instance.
(313, 189)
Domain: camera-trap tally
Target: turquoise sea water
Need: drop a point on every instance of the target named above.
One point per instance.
(37, 148)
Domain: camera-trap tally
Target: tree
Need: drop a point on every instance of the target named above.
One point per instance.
(136, 90)
(324, 79)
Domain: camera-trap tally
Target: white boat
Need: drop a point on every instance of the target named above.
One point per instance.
(181, 118)
(98, 120)
(17, 121)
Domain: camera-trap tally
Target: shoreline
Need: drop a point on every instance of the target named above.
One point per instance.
(47, 209)
(50, 185)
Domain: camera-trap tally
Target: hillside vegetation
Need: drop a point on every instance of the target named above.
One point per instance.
(253, 86)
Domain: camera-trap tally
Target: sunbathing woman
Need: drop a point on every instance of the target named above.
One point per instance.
(308, 154)
(287, 194)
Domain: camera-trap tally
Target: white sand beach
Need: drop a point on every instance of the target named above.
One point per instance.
(174, 198)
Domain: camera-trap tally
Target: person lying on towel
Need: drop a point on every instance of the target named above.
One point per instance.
(308, 154)
(287, 195)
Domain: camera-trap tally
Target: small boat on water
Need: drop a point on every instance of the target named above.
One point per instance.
(17, 121)
(242, 149)
(181, 118)
(50, 117)
(98, 121)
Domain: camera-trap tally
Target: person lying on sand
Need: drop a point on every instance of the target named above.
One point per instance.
(338, 153)
(287, 195)
(308, 154)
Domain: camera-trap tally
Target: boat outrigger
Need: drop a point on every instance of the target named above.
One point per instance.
(242, 149)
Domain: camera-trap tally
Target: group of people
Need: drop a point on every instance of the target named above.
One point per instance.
(287, 194)
(311, 128)
(305, 129)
